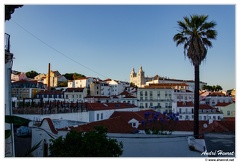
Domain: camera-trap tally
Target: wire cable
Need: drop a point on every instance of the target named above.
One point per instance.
(54, 49)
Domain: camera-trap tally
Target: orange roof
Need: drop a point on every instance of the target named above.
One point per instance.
(222, 104)
(113, 125)
(185, 104)
(50, 123)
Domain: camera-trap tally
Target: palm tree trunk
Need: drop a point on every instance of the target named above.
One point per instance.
(196, 102)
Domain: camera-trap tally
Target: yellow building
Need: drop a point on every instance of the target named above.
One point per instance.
(55, 78)
(229, 110)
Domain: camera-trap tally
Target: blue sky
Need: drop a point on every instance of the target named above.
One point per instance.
(107, 41)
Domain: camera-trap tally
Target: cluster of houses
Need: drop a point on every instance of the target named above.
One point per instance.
(170, 96)
(157, 103)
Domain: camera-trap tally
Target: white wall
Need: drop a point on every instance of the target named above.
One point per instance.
(80, 116)
(107, 113)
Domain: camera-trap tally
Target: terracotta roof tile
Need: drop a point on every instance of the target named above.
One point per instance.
(74, 90)
(222, 104)
(50, 123)
(113, 125)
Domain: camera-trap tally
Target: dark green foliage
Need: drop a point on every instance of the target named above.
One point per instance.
(73, 76)
(212, 88)
(195, 34)
(31, 74)
(63, 84)
(16, 120)
(89, 144)
(9, 10)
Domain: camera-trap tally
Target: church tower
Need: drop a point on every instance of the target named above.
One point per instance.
(141, 77)
(137, 78)
(133, 76)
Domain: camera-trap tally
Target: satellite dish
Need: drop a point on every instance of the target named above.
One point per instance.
(205, 125)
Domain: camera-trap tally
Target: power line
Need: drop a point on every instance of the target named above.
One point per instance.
(56, 49)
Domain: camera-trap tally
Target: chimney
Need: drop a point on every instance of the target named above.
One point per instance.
(48, 76)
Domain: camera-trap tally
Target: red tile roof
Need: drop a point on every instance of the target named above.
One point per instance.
(127, 116)
(49, 92)
(125, 93)
(205, 106)
(216, 94)
(113, 125)
(74, 90)
(50, 123)
(185, 104)
(222, 104)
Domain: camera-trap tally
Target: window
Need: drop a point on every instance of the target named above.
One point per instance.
(101, 115)
(151, 104)
(166, 105)
(133, 124)
(145, 93)
(146, 105)
(141, 93)
(97, 116)
(228, 113)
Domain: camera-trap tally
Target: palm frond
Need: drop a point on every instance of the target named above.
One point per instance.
(16, 120)
(29, 151)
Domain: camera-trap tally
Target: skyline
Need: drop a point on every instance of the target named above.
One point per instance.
(107, 41)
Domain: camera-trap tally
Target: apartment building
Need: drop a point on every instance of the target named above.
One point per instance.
(75, 94)
(157, 97)
(26, 89)
(206, 112)
(217, 97)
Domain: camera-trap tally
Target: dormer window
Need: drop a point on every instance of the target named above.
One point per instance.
(134, 125)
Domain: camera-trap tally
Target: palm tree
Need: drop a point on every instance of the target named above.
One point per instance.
(195, 34)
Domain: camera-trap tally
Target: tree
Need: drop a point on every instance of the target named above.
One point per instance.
(31, 74)
(195, 34)
(89, 144)
(73, 76)
(63, 84)
(9, 10)
(218, 88)
(212, 88)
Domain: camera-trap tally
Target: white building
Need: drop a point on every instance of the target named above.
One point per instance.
(75, 94)
(81, 82)
(105, 89)
(140, 80)
(216, 97)
(183, 95)
(101, 111)
(157, 97)
(117, 87)
(206, 112)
